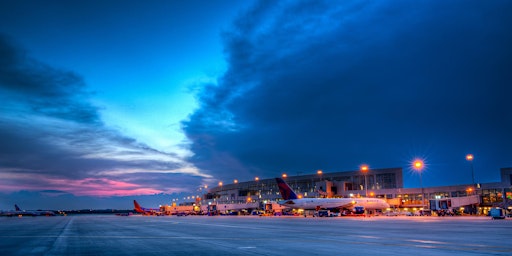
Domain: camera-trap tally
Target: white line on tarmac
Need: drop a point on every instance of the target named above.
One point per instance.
(426, 241)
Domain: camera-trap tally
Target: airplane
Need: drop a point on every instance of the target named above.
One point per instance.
(19, 212)
(358, 205)
(146, 211)
(35, 213)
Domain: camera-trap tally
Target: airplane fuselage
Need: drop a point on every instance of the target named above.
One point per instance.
(332, 203)
(293, 201)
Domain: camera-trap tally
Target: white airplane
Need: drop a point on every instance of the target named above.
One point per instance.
(19, 212)
(357, 205)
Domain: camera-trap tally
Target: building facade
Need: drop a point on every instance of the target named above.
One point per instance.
(380, 183)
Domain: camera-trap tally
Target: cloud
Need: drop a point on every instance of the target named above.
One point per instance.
(327, 85)
(53, 138)
(61, 200)
(44, 90)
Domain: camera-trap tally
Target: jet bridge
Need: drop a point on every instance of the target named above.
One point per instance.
(453, 202)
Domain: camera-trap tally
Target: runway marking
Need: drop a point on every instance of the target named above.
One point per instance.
(427, 246)
(370, 237)
(426, 241)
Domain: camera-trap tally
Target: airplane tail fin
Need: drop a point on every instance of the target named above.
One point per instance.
(137, 206)
(285, 190)
(17, 207)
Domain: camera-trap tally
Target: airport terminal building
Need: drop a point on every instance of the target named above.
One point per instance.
(380, 183)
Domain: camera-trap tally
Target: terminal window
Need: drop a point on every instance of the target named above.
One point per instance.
(386, 180)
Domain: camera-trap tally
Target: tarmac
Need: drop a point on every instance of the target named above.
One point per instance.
(253, 235)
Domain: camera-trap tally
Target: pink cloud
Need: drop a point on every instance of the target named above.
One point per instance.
(102, 187)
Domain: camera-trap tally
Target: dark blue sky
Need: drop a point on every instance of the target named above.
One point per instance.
(312, 86)
(164, 97)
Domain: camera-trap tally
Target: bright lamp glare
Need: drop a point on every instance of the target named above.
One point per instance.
(418, 164)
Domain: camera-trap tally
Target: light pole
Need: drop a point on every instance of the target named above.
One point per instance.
(320, 192)
(470, 157)
(235, 181)
(418, 166)
(364, 169)
(220, 192)
(257, 179)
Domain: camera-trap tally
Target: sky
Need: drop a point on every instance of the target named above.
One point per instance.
(104, 102)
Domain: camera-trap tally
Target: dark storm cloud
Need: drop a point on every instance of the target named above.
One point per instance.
(52, 135)
(46, 90)
(330, 85)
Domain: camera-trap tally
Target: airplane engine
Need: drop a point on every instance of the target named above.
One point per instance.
(358, 210)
